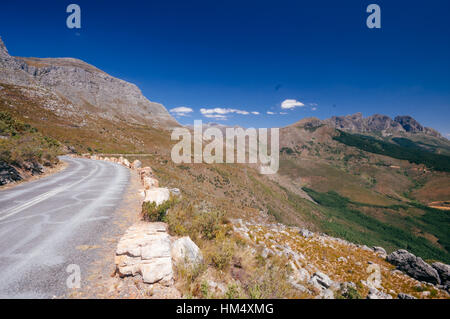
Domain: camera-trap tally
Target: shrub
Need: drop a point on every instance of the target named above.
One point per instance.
(233, 291)
(220, 255)
(157, 213)
(350, 293)
(184, 220)
(269, 279)
(23, 144)
(208, 224)
(189, 275)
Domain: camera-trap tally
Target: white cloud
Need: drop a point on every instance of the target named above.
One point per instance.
(216, 116)
(219, 110)
(314, 108)
(270, 113)
(181, 111)
(290, 104)
(313, 104)
(283, 113)
(255, 113)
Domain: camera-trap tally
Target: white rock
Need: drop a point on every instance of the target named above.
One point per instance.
(158, 270)
(145, 249)
(185, 250)
(157, 195)
(299, 274)
(321, 280)
(136, 164)
(158, 246)
(150, 182)
(327, 294)
(376, 294)
(126, 163)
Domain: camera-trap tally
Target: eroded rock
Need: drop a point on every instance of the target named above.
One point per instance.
(443, 271)
(414, 266)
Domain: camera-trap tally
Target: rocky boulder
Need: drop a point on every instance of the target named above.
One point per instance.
(184, 250)
(444, 273)
(380, 251)
(414, 266)
(136, 164)
(306, 233)
(157, 195)
(321, 281)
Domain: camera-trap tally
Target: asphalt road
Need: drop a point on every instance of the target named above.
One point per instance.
(46, 226)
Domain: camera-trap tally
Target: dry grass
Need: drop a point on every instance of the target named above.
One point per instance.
(322, 253)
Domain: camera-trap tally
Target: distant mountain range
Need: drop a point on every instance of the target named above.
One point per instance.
(380, 123)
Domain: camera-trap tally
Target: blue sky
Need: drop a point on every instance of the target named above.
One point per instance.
(250, 56)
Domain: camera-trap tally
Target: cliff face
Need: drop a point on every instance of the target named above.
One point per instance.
(88, 89)
(412, 126)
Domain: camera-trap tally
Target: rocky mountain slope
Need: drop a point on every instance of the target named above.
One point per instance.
(378, 123)
(73, 87)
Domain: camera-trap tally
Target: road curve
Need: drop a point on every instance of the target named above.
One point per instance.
(45, 224)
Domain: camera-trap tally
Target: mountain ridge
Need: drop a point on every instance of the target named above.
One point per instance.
(85, 87)
(377, 123)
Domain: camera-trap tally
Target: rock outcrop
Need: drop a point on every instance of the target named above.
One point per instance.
(410, 125)
(328, 267)
(414, 266)
(8, 174)
(444, 273)
(378, 123)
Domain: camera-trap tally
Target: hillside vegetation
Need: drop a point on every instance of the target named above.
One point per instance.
(346, 219)
(405, 150)
(23, 146)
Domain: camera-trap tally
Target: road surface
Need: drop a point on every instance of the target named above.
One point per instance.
(47, 225)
